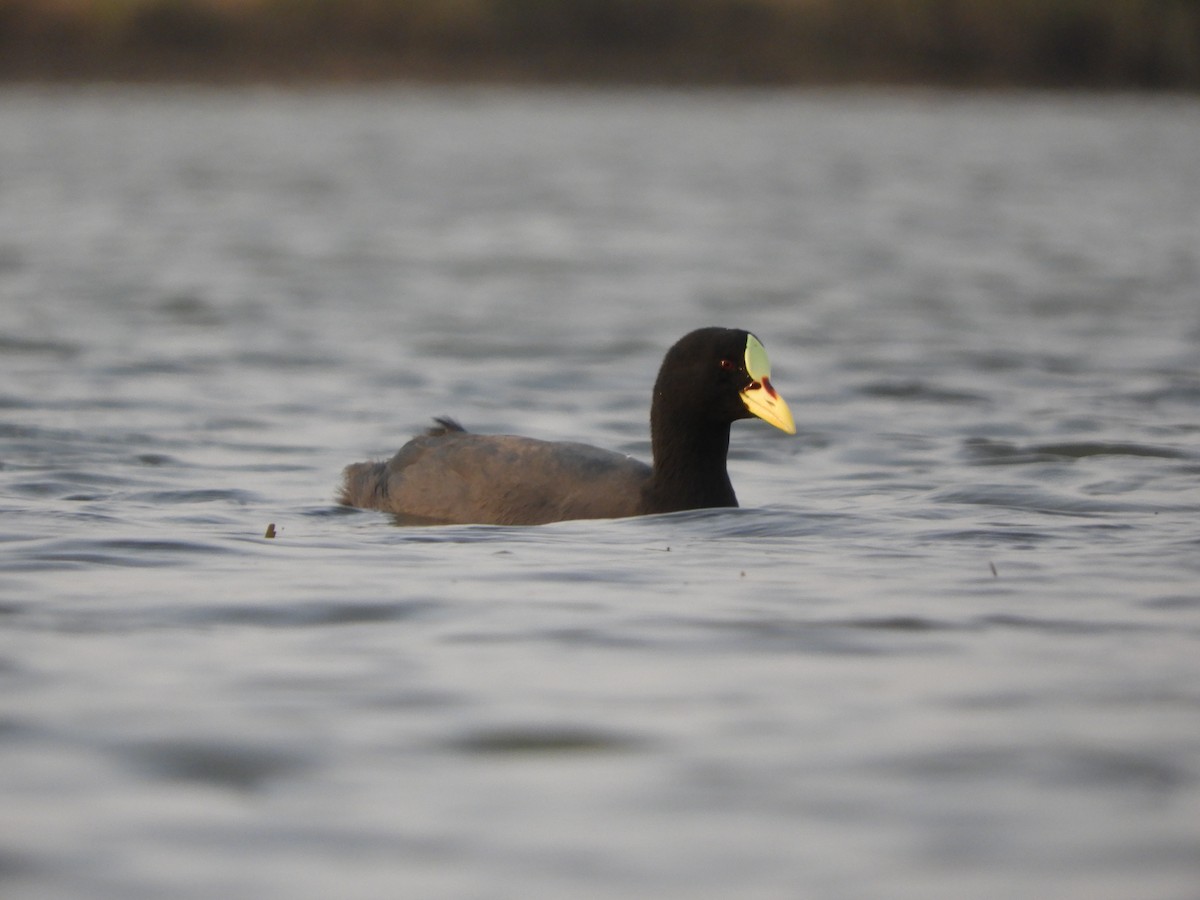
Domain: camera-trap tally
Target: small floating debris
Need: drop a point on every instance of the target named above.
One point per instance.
(270, 531)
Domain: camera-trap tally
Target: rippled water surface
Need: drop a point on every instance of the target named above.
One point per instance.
(948, 647)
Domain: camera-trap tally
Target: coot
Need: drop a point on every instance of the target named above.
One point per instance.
(708, 379)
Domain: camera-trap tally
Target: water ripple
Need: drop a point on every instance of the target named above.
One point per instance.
(921, 392)
(1035, 498)
(305, 615)
(11, 345)
(984, 451)
(199, 495)
(126, 552)
(542, 740)
(1061, 626)
(225, 764)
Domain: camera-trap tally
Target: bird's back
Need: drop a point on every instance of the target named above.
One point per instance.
(454, 476)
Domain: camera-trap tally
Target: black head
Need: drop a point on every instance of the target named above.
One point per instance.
(715, 376)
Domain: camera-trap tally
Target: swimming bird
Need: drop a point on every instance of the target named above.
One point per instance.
(708, 379)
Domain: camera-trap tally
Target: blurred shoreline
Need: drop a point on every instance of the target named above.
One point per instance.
(1085, 44)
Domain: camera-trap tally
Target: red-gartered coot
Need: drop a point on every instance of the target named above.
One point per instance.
(708, 380)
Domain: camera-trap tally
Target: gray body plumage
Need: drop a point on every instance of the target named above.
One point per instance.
(453, 476)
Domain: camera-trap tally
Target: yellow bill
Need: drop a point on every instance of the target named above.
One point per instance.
(759, 396)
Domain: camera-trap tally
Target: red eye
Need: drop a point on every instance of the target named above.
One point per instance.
(728, 365)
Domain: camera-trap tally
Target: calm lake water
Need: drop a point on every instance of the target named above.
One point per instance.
(949, 646)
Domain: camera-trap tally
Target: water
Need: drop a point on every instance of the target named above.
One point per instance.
(948, 647)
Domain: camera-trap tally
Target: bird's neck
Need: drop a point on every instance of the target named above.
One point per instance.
(689, 466)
